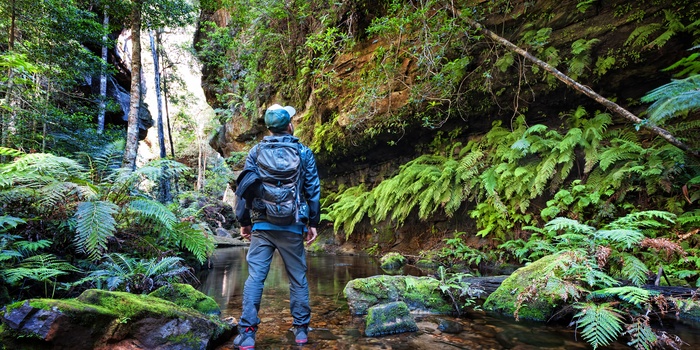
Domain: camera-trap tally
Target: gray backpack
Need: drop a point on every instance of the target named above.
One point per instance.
(280, 168)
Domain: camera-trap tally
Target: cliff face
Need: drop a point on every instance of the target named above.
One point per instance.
(375, 84)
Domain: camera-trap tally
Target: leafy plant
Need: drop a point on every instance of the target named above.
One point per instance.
(139, 276)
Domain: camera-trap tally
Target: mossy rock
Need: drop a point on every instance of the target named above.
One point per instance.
(389, 318)
(421, 294)
(186, 296)
(100, 317)
(392, 261)
(503, 300)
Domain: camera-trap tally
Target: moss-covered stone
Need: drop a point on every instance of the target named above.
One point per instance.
(421, 294)
(389, 318)
(392, 261)
(503, 300)
(186, 296)
(97, 317)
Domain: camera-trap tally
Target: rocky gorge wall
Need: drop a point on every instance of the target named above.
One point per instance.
(376, 85)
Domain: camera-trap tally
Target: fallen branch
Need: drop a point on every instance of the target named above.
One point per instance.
(586, 90)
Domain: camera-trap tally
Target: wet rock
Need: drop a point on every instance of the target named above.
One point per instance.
(421, 294)
(448, 326)
(105, 320)
(389, 318)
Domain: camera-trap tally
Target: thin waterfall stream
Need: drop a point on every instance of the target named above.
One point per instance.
(335, 328)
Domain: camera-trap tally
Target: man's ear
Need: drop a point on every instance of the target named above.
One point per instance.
(290, 128)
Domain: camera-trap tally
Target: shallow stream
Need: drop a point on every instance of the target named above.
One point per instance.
(335, 328)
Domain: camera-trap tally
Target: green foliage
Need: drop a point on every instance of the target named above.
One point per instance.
(459, 291)
(600, 324)
(95, 224)
(140, 276)
(674, 99)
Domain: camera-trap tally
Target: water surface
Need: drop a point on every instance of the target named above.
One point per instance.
(335, 328)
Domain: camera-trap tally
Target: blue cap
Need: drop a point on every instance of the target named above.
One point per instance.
(277, 117)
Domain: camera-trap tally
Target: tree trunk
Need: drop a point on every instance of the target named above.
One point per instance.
(164, 194)
(103, 75)
(586, 90)
(132, 134)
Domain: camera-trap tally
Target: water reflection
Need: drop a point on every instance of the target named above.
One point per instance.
(335, 328)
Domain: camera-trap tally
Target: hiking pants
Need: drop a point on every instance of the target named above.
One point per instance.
(290, 245)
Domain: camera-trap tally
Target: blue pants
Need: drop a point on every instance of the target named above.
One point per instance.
(291, 248)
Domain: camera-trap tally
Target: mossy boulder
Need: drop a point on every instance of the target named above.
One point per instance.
(186, 296)
(503, 300)
(100, 319)
(421, 294)
(392, 261)
(389, 318)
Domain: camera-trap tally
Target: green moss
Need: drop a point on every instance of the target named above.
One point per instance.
(186, 296)
(504, 299)
(392, 261)
(419, 293)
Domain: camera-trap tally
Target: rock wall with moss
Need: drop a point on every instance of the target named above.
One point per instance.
(377, 83)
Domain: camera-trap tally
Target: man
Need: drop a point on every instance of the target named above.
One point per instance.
(265, 237)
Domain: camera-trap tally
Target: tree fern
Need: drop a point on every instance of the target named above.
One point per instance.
(95, 224)
(600, 324)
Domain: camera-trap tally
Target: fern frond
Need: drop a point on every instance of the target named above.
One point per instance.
(195, 241)
(27, 247)
(569, 225)
(643, 219)
(7, 222)
(600, 324)
(10, 152)
(95, 224)
(675, 98)
(627, 237)
(634, 269)
(633, 295)
(642, 336)
(155, 211)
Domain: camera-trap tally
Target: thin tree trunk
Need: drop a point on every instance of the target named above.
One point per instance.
(586, 90)
(164, 195)
(103, 75)
(167, 113)
(132, 134)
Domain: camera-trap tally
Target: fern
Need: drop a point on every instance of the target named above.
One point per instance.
(195, 241)
(634, 269)
(7, 222)
(95, 224)
(155, 212)
(10, 152)
(600, 324)
(673, 99)
(566, 224)
(642, 336)
(633, 295)
(627, 238)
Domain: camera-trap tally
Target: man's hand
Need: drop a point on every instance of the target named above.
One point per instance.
(245, 232)
(311, 235)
